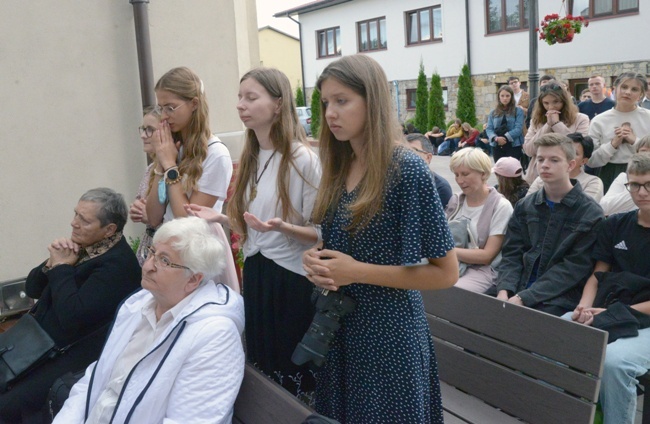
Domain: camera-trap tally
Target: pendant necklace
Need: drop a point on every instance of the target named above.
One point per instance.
(258, 178)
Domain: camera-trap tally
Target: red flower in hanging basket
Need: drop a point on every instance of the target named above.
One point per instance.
(554, 29)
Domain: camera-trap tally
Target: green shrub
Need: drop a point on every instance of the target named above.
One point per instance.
(436, 108)
(300, 97)
(466, 109)
(421, 97)
(315, 113)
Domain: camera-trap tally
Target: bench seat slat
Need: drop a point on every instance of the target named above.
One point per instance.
(580, 384)
(262, 401)
(513, 392)
(554, 337)
(468, 409)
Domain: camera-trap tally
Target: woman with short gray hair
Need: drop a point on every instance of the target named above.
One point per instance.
(174, 353)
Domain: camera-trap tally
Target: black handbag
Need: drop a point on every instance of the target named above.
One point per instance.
(502, 129)
(22, 348)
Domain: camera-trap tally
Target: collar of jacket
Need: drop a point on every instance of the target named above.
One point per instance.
(570, 199)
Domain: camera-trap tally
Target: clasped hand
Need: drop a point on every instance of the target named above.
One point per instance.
(585, 315)
(165, 147)
(63, 251)
(329, 269)
(138, 211)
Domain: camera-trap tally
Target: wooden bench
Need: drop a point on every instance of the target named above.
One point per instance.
(499, 362)
(263, 401)
(645, 382)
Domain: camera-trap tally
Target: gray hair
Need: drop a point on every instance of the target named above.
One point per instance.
(643, 142)
(639, 164)
(112, 207)
(426, 144)
(193, 240)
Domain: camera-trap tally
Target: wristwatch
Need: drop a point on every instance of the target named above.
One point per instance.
(172, 176)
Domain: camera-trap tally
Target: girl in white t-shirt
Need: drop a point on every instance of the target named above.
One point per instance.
(274, 195)
(199, 170)
(472, 168)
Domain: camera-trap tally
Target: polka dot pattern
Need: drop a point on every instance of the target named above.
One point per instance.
(381, 367)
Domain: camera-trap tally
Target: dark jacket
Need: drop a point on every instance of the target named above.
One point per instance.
(562, 240)
(76, 300)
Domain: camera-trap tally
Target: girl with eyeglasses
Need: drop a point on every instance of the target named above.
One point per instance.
(138, 209)
(191, 164)
(616, 131)
(199, 171)
(505, 125)
(554, 112)
(275, 189)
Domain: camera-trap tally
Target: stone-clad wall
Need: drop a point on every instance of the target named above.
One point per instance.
(485, 86)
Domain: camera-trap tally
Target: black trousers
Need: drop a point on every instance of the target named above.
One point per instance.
(278, 310)
(507, 149)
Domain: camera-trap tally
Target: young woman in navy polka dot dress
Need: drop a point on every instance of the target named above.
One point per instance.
(380, 216)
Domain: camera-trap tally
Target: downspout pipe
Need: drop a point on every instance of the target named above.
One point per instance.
(533, 70)
(302, 64)
(469, 56)
(143, 44)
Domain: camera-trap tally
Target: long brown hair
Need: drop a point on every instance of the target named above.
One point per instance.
(508, 109)
(285, 130)
(510, 187)
(569, 111)
(382, 132)
(185, 84)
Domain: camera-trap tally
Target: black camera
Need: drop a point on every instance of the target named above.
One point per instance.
(330, 308)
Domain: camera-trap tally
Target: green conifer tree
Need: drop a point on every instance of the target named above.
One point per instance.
(315, 113)
(466, 109)
(436, 108)
(421, 97)
(300, 98)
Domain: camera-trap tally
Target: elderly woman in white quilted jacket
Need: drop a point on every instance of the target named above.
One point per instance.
(174, 353)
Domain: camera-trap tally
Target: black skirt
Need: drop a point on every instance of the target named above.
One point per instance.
(278, 313)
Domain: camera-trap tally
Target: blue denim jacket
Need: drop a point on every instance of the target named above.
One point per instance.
(515, 133)
(562, 239)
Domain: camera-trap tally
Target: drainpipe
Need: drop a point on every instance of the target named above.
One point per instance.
(469, 57)
(302, 64)
(396, 85)
(143, 44)
(533, 70)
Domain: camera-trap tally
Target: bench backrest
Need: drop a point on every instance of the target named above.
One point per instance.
(263, 401)
(535, 366)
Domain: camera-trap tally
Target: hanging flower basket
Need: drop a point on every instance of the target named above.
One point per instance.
(554, 29)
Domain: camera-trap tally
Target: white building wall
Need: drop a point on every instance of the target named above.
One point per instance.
(71, 102)
(608, 40)
(399, 61)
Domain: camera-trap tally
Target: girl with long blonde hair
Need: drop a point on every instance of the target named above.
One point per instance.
(192, 165)
(380, 216)
(276, 185)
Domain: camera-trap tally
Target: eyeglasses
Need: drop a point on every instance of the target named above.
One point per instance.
(167, 109)
(551, 87)
(163, 261)
(420, 151)
(146, 131)
(635, 187)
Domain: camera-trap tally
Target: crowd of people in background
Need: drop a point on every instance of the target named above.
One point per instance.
(366, 221)
(572, 196)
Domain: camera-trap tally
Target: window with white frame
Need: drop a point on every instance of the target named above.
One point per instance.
(506, 15)
(329, 42)
(371, 35)
(423, 25)
(602, 8)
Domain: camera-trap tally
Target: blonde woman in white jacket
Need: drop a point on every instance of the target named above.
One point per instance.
(554, 112)
(174, 353)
